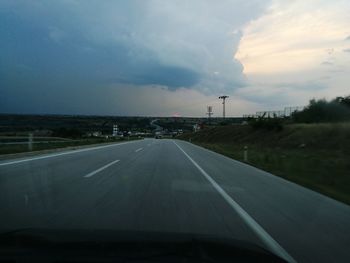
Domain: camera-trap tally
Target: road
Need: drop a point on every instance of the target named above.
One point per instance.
(172, 186)
(156, 126)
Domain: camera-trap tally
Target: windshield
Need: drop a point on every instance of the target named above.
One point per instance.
(214, 124)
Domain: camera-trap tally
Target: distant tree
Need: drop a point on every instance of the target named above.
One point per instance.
(343, 100)
(67, 133)
(266, 123)
(335, 110)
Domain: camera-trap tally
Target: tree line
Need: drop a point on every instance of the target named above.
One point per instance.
(336, 110)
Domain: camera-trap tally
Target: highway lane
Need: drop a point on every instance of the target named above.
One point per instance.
(32, 189)
(152, 185)
(151, 188)
(310, 226)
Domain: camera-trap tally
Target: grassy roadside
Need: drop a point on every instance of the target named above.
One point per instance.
(315, 156)
(23, 148)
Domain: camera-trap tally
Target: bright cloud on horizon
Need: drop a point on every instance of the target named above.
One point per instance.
(296, 51)
(295, 36)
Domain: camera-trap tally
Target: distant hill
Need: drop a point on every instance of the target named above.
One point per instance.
(13, 124)
(20, 124)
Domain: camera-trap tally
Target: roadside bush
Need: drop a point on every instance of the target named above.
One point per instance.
(266, 123)
(67, 133)
(317, 111)
(223, 123)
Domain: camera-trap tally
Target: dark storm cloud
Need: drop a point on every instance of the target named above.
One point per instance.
(36, 47)
(169, 76)
(59, 50)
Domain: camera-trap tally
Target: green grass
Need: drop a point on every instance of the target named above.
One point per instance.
(9, 149)
(316, 156)
(8, 139)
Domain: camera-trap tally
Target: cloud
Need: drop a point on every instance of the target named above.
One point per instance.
(143, 43)
(37, 48)
(347, 38)
(346, 50)
(119, 99)
(74, 47)
(293, 36)
(276, 96)
(294, 52)
(56, 34)
(64, 56)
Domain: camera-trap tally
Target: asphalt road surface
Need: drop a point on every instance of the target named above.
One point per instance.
(172, 186)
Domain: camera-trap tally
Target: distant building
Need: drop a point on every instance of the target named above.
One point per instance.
(196, 127)
(115, 130)
(96, 134)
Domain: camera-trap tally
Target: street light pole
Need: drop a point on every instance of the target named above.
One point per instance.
(223, 105)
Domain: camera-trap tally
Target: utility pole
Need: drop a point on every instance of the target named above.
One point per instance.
(223, 98)
(209, 112)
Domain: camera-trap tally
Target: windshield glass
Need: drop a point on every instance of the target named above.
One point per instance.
(221, 123)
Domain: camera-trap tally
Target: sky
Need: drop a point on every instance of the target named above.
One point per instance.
(171, 57)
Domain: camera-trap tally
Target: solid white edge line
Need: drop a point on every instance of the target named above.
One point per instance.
(100, 169)
(139, 149)
(65, 153)
(259, 231)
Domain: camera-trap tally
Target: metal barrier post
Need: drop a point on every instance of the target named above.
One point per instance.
(245, 153)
